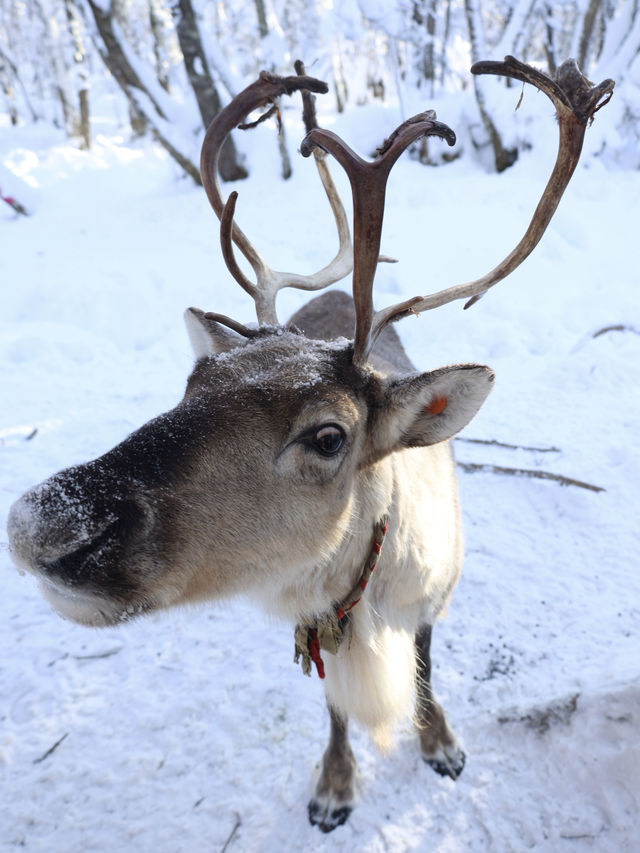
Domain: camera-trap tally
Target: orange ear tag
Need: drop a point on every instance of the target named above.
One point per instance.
(436, 406)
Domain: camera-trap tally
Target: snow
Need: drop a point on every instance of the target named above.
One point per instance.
(192, 729)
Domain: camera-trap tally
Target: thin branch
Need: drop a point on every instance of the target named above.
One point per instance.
(52, 749)
(474, 467)
(251, 124)
(494, 443)
(236, 827)
(620, 327)
(106, 654)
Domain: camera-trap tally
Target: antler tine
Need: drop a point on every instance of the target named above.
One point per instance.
(342, 264)
(268, 281)
(576, 101)
(263, 91)
(226, 243)
(368, 184)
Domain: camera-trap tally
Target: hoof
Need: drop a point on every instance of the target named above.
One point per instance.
(326, 818)
(447, 762)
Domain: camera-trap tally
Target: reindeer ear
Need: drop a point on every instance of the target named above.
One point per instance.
(431, 407)
(208, 337)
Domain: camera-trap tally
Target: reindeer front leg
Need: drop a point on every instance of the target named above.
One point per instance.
(438, 745)
(332, 802)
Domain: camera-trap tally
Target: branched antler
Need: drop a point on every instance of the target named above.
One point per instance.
(576, 102)
(368, 183)
(264, 91)
(575, 99)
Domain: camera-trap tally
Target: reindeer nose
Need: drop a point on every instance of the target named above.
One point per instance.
(53, 527)
(46, 523)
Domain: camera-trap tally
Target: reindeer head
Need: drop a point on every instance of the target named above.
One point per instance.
(277, 449)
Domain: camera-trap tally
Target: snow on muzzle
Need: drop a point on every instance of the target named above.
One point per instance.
(78, 532)
(97, 535)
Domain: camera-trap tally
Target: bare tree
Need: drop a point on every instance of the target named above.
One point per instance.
(178, 62)
(82, 77)
(263, 29)
(517, 23)
(54, 44)
(503, 156)
(9, 74)
(424, 17)
(158, 27)
(209, 102)
(587, 31)
(137, 92)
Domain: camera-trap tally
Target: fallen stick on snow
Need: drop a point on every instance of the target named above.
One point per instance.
(494, 443)
(474, 467)
(98, 656)
(236, 827)
(619, 327)
(51, 749)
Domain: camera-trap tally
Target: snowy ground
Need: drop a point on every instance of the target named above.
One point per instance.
(174, 734)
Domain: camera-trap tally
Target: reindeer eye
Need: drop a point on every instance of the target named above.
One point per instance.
(328, 440)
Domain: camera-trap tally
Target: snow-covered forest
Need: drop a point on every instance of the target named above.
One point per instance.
(192, 729)
(176, 62)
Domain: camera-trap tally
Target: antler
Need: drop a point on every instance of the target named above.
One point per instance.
(265, 90)
(576, 101)
(368, 183)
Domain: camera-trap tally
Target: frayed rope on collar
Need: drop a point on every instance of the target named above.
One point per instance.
(328, 630)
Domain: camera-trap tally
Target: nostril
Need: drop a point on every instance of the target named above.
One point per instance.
(57, 515)
(45, 524)
(54, 528)
(128, 520)
(136, 515)
(76, 565)
(40, 537)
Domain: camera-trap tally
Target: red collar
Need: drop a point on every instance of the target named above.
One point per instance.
(328, 630)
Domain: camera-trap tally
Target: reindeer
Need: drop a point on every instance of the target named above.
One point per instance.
(307, 465)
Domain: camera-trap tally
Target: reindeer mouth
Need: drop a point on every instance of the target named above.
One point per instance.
(87, 608)
(90, 584)
(80, 607)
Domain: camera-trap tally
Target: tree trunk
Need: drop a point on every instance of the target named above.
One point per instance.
(54, 45)
(587, 31)
(123, 73)
(503, 157)
(115, 58)
(83, 128)
(7, 88)
(9, 68)
(160, 50)
(85, 121)
(549, 43)
(209, 103)
(263, 29)
(445, 41)
(287, 171)
(340, 84)
(514, 35)
(424, 16)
